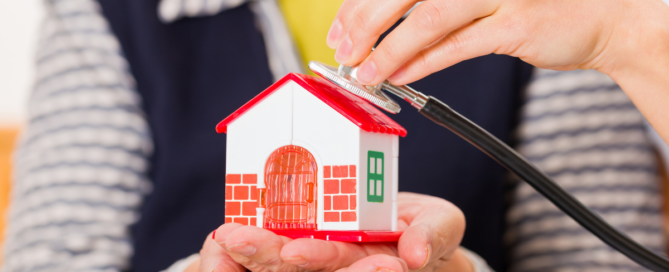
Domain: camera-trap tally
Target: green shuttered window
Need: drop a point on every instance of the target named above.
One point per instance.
(375, 181)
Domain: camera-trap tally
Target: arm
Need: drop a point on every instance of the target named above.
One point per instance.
(79, 175)
(626, 39)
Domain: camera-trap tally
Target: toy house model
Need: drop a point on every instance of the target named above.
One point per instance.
(306, 158)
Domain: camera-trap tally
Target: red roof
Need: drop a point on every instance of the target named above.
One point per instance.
(354, 108)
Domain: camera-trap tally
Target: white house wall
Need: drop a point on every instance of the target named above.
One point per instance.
(254, 135)
(374, 215)
(251, 138)
(339, 145)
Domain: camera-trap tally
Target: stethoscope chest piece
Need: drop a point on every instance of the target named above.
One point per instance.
(345, 77)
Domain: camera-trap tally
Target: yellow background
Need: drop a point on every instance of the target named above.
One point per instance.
(309, 22)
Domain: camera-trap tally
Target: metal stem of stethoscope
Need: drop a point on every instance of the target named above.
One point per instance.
(443, 115)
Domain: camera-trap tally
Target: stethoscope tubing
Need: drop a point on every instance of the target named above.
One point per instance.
(443, 115)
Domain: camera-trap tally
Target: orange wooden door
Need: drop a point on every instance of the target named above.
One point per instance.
(290, 179)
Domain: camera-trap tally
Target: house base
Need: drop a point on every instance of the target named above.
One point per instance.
(343, 236)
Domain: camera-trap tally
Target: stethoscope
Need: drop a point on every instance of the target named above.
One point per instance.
(442, 114)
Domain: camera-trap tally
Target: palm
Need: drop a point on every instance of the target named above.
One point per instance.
(421, 217)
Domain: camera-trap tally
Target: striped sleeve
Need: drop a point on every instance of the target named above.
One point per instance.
(80, 165)
(582, 130)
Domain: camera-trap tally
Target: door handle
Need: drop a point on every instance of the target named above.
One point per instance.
(261, 197)
(310, 189)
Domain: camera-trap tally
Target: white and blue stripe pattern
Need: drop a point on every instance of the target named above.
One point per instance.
(582, 130)
(80, 167)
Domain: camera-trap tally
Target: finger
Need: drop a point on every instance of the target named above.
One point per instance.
(220, 235)
(376, 263)
(401, 224)
(434, 233)
(257, 248)
(483, 37)
(320, 255)
(411, 205)
(426, 24)
(359, 14)
(359, 24)
(214, 258)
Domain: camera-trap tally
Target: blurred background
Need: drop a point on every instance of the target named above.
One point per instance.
(19, 21)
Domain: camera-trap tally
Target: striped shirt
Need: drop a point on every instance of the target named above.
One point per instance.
(581, 129)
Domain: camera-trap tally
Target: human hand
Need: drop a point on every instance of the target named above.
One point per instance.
(213, 258)
(433, 229)
(553, 34)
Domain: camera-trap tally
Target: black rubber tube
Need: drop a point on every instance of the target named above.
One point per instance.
(443, 115)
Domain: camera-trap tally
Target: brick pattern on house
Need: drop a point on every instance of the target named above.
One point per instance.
(241, 198)
(339, 193)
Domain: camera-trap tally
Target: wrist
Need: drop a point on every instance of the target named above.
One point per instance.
(641, 64)
(639, 41)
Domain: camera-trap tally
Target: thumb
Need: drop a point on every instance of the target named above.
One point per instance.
(215, 259)
(433, 234)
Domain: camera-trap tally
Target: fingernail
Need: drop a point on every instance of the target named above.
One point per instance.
(334, 34)
(344, 50)
(222, 237)
(243, 248)
(397, 74)
(366, 72)
(428, 251)
(384, 270)
(297, 260)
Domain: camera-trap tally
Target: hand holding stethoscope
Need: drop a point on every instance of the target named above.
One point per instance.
(626, 40)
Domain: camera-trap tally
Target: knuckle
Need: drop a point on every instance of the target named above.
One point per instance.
(248, 264)
(455, 45)
(387, 52)
(271, 261)
(430, 17)
(361, 22)
(521, 31)
(422, 62)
